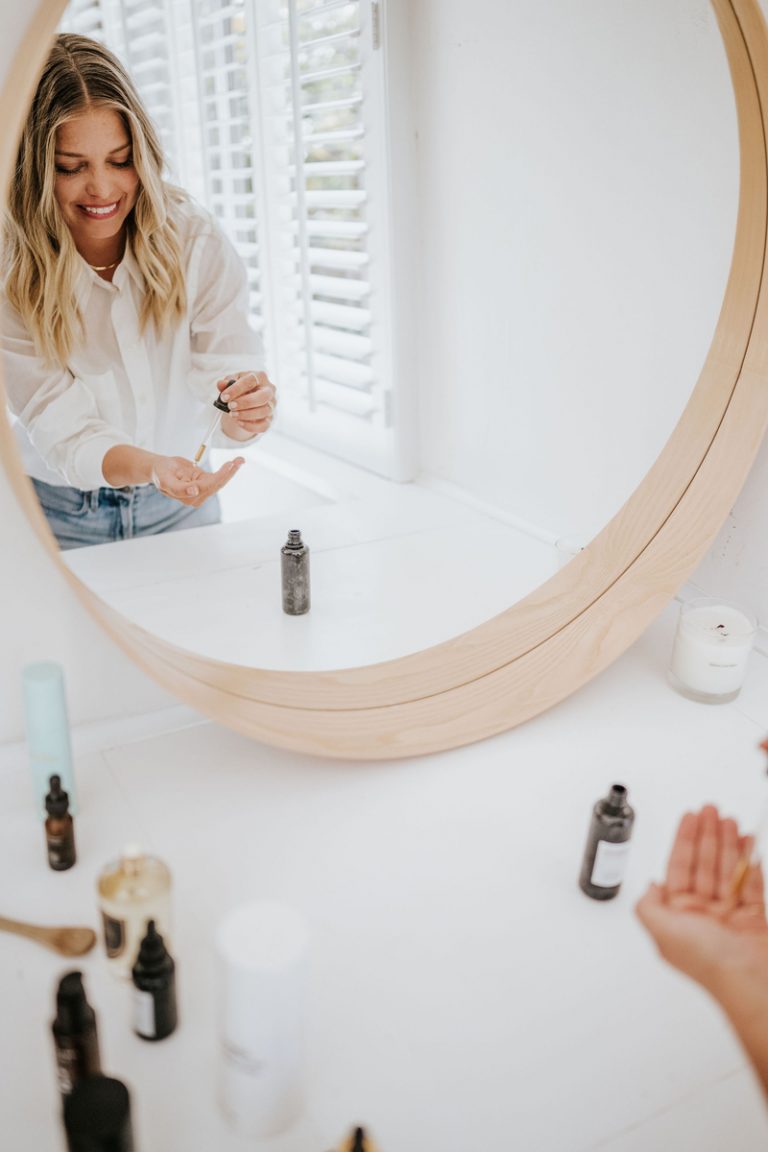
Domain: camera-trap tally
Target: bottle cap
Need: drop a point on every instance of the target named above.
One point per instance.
(153, 953)
(73, 1011)
(57, 800)
(97, 1116)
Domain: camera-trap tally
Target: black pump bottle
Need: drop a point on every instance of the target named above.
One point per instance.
(154, 988)
(605, 855)
(74, 1034)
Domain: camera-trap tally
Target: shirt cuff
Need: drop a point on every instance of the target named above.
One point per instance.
(88, 460)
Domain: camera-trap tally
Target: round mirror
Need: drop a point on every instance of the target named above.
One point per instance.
(557, 299)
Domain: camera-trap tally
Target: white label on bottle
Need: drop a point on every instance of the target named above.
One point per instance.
(144, 1013)
(610, 862)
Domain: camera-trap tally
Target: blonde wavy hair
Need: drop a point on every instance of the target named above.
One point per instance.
(40, 263)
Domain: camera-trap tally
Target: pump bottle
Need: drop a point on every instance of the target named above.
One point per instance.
(74, 1034)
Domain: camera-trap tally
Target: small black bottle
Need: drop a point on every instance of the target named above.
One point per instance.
(294, 565)
(97, 1117)
(74, 1034)
(154, 988)
(605, 855)
(59, 828)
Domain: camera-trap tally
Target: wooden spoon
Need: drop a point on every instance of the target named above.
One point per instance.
(65, 941)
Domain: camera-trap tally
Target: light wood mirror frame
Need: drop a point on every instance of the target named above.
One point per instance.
(543, 648)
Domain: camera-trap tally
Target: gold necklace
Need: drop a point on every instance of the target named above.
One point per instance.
(103, 267)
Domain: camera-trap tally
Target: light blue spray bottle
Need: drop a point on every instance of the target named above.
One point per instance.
(45, 711)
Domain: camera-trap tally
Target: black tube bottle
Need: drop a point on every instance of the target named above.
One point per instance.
(59, 828)
(294, 566)
(602, 868)
(97, 1116)
(74, 1034)
(154, 988)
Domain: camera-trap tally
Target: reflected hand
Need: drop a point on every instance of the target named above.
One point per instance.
(251, 397)
(698, 925)
(184, 481)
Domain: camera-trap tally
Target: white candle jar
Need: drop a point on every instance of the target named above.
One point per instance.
(711, 649)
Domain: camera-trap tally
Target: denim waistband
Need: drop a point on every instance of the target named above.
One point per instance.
(115, 496)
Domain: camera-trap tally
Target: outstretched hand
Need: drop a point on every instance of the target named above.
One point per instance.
(185, 481)
(699, 925)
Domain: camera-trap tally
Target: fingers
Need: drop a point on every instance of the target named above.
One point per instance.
(184, 481)
(707, 853)
(730, 854)
(252, 398)
(683, 854)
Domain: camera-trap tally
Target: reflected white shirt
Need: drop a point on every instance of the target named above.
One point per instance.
(152, 390)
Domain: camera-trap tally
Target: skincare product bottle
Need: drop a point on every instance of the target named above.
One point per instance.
(59, 828)
(358, 1141)
(262, 953)
(154, 988)
(132, 891)
(74, 1034)
(97, 1117)
(47, 727)
(605, 855)
(294, 566)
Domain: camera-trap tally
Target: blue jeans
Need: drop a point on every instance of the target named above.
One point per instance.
(103, 515)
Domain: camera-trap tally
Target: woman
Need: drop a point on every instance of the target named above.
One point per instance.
(123, 315)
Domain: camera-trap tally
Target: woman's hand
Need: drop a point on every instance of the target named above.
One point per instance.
(186, 482)
(715, 935)
(251, 397)
(698, 924)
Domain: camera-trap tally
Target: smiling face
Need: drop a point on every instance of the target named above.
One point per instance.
(96, 184)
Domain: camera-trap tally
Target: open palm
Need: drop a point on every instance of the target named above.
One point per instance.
(700, 925)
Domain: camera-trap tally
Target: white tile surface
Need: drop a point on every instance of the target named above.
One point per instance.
(465, 993)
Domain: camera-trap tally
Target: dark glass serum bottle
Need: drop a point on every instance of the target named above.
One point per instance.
(97, 1117)
(294, 566)
(154, 988)
(59, 828)
(605, 855)
(74, 1034)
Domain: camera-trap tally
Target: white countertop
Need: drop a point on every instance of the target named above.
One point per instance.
(465, 994)
(399, 571)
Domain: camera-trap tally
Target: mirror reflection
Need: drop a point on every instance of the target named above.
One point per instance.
(447, 264)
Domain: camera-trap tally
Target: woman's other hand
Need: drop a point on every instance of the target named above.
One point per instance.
(186, 482)
(698, 924)
(251, 397)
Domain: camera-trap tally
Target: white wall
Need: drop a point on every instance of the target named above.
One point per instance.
(472, 344)
(578, 170)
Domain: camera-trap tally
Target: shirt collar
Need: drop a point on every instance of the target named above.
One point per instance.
(89, 279)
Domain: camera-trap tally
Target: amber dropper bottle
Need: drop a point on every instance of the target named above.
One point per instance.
(605, 856)
(59, 828)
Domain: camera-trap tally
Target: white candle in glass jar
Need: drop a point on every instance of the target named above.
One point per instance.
(711, 649)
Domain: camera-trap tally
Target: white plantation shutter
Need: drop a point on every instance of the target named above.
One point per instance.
(272, 114)
(321, 104)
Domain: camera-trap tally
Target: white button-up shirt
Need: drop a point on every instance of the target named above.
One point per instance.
(152, 390)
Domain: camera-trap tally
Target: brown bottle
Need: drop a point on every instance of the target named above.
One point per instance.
(59, 828)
